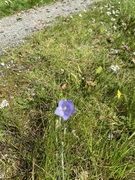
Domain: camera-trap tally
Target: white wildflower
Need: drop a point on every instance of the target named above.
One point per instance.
(117, 11)
(62, 70)
(123, 24)
(80, 15)
(4, 103)
(110, 136)
(93, 20)
(113, 12)
(101, 8)
(114, 27)
(115, 68)
(114, 51)
(113, 19)
(108, 13)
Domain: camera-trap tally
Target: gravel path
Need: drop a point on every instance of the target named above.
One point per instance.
(15, 28)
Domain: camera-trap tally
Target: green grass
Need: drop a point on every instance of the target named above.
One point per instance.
(8, 7)
(72, 60)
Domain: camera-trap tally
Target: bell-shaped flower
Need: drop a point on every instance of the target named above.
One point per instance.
(65, 109)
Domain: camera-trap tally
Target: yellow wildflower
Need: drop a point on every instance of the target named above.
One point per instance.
(118, 94)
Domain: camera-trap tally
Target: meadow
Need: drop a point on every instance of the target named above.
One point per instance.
(8, 7)
(88, 58)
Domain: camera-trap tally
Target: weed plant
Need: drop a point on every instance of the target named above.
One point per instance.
(88, 58)
(8, 7)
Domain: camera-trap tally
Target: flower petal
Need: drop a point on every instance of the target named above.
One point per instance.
(65, 109)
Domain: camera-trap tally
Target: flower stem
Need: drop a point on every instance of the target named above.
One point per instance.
(62, 152)
(60, 137)
(62, 160)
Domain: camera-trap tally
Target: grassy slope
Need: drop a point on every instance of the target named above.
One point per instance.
(71, 60)
(8, 7)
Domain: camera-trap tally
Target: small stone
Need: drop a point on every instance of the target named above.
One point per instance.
(19, 19)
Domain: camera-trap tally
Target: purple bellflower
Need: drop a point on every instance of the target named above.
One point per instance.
(65, 109)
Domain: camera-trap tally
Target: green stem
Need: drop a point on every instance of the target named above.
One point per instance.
(62, 160)
(62, 153)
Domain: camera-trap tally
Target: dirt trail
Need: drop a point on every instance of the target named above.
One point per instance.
(15, 28)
